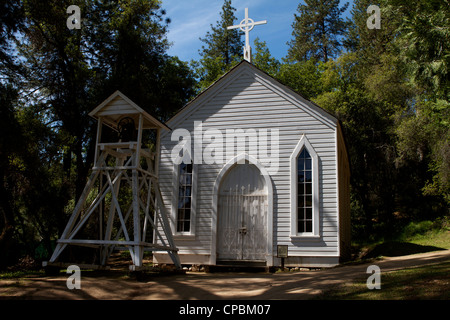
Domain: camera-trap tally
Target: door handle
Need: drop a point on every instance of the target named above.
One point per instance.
(243, 230)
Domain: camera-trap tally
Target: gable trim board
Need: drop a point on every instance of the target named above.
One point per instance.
(246, 97)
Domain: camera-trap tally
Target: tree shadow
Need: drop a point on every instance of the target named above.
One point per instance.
(398, 248)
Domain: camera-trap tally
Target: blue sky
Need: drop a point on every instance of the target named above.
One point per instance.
(191, 19)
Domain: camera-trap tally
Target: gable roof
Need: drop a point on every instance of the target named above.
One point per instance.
(118, 105)
(266, 80)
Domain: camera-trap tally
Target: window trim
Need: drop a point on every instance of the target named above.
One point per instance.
(304, 143)
(174, 214)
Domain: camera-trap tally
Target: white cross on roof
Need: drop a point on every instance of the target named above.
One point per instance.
(247, 25)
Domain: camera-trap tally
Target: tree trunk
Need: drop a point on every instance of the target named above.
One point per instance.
(7, 231)
(81, 171)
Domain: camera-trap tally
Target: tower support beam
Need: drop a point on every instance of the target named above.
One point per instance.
(122, 189)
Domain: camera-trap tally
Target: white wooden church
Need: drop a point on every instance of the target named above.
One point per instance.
(249, 166)
(247, 173)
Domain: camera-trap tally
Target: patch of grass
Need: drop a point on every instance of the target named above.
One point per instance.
(416, 237)
(422, 283)
(20, 274)
(417, 228)
(438, 238)
(427, 282)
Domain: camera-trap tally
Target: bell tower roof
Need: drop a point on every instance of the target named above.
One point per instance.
(117, 106)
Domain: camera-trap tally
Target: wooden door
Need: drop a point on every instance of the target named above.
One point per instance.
(242, 215)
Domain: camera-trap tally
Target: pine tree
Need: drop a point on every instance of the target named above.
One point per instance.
(120, 46)
(129, 44)
(11, 20)
(424, 130)
(317, 29)
(264, 60)
(222, 49)
(371, 44)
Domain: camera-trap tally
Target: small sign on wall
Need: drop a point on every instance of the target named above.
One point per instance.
(282, 251)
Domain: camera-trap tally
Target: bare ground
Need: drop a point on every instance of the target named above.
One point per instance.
(205, 286)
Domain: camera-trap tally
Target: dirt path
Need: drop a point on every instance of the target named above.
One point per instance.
(204, 286)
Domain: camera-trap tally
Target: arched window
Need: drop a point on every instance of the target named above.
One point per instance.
(304, 190)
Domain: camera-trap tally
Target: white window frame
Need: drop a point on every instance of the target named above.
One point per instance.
(174, 216)
(315, 234)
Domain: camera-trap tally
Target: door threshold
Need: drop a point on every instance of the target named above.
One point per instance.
(241, 263)
(240, 266)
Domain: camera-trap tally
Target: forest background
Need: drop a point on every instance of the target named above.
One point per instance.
(389, 87)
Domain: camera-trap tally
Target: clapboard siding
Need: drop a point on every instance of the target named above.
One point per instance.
(248, 99)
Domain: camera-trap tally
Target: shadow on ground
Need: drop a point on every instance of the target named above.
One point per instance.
(397, 248)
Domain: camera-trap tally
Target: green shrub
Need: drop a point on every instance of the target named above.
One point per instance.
(416, 228)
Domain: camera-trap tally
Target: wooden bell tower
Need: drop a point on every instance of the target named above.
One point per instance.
(122, 189)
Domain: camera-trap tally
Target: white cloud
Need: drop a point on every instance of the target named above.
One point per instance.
(190, 20)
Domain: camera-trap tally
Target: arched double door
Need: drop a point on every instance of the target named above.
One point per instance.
(242, 215)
